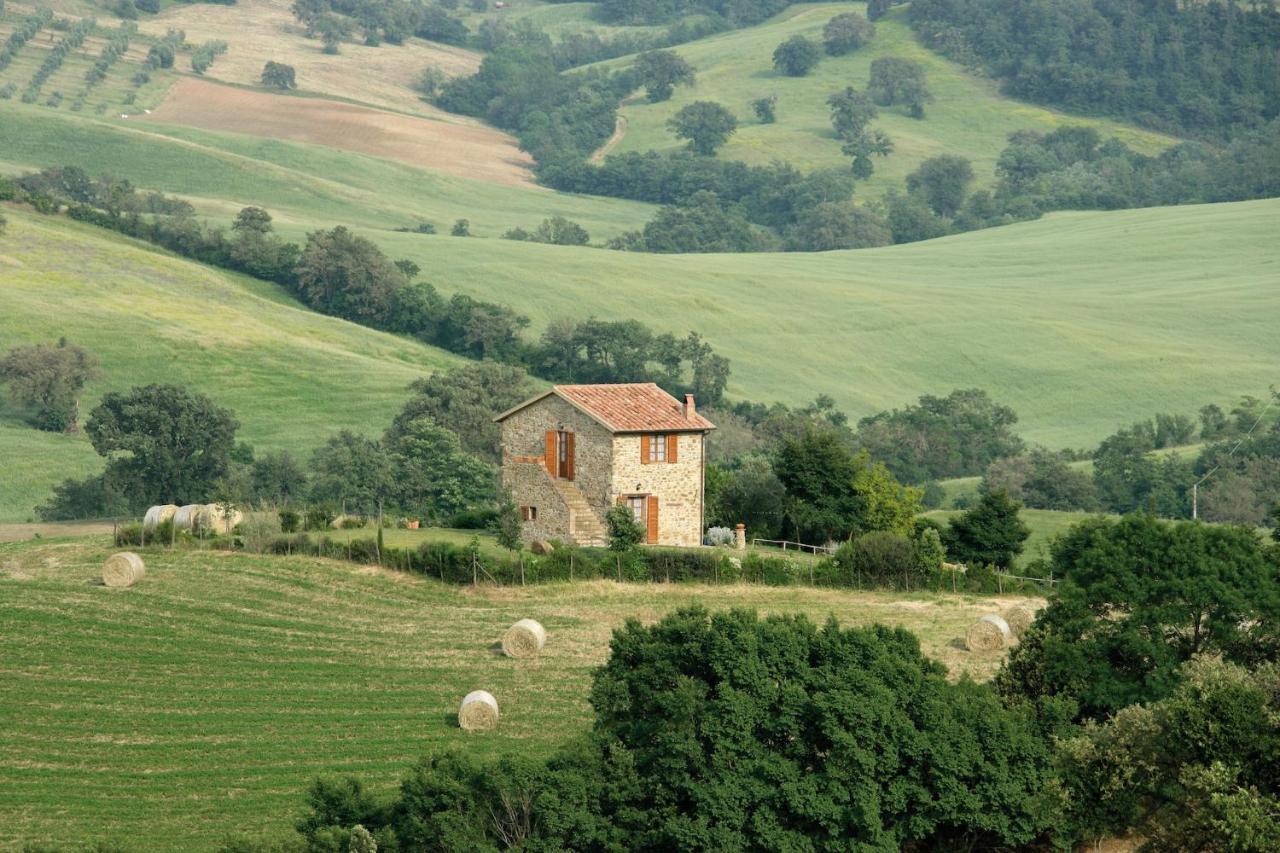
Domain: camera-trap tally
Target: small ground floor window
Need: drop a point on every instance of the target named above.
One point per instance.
(529, 513)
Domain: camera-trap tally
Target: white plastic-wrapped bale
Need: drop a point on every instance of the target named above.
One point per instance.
(478, 712)
(185, 517)
(524, 639)
(158, 515)
(989, 634)
(123, 569)
(1019, 619)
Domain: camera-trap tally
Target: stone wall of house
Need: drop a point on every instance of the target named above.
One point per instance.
(678, 485)
(525, 434)
(530, 486)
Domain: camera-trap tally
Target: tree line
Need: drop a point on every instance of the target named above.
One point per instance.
(342, 274)
(1205, 69)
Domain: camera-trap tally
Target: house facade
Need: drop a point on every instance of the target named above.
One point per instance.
(574, 451)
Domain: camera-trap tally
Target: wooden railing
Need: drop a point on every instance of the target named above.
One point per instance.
(799, 546)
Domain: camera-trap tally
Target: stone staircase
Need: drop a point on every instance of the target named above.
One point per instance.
(585, 526)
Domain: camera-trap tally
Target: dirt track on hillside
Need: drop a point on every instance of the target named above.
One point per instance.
(466, 149)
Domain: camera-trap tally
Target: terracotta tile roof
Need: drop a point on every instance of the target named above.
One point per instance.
(632, 407)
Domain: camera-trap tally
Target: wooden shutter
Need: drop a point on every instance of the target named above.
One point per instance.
(622, 500)
(672, 441)
(644, 449)
(550, 458)
(568, 456)
(653, 519)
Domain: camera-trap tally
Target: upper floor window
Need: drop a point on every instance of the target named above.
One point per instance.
(658, 447)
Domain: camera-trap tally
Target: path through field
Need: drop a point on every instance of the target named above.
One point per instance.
(457, 146)
(619, 131)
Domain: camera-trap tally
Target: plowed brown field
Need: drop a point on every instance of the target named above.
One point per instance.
(458, 146)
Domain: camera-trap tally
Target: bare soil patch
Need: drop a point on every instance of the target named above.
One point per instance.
(260, 30)
(465, 149)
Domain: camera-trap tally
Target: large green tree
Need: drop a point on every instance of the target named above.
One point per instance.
(348, 276)
(49, 379)
(797, 56)
(846, 33)
(353, 473)
(433, 476)
(942, 181)
(895, 80)
(465, 401)
(660, 71)
(163, 443)
(989, 533)
(706, 126)
(1139, 597)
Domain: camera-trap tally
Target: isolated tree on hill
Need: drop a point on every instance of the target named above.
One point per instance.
(991, 533)
(851, 115)
(876, 9)
(348, 276)
(559, 231)
(766, 109)
(705, 124)
(895, 80)
(797, 56)
(49, 379)
(660, 71)
(164, 443)
(279, 76)
(942, 181)
(846, 33)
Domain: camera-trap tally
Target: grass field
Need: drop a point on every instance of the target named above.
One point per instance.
(1081, 322)
(201, 703)
(456, 146)
(291, 376)
(307, 186)
(969, 117)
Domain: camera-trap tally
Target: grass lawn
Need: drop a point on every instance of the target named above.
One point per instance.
(202, 702)
(969, 117)
(291, 376)
(1044, 524)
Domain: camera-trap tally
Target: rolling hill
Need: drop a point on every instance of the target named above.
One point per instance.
(969, 117)
(291, 376)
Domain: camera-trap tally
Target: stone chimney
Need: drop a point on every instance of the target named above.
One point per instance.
(689, 408)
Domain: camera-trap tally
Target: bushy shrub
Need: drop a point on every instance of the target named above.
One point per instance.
(318, 518)
(476, 518)
(290, 520)
(719, 536)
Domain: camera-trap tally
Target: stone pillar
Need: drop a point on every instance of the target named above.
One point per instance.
(740, 537)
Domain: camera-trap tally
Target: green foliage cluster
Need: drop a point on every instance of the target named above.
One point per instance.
(895, 80)
(846, 33)
(937, 438)
(204, 55)
(660, 71)
(989, 533)
(706, 126)
(556, 230)
(277, 75)
(797, 56)
(53, 60)
(163, 53)
(1139, 598)
(1041, 479)
(49, 379)
(392, 21)
(117, 45)
(1203, 68)
(23, 33)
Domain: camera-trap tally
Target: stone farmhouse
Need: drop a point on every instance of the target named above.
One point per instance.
(571, 453)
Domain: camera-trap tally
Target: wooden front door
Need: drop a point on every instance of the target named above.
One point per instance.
(564, 455)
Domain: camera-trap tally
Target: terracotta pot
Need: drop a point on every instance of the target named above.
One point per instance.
(413, 525)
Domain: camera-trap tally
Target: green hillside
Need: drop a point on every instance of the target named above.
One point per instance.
(200, 704)
(969, 117)
(309, 185)
(291, 376)
(1080, 321)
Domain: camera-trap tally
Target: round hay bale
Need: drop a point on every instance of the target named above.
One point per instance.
(1019, 619)
(185, 517)
(123, 569)
(989, 634)
(524, 639)
(542, 547)
(214, 519)
(157, 516)
(478, 712)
